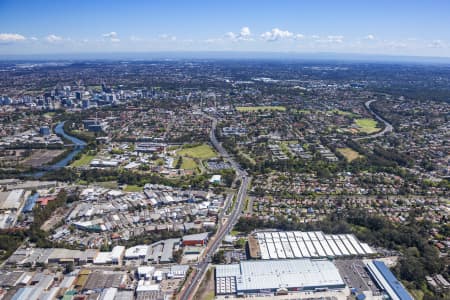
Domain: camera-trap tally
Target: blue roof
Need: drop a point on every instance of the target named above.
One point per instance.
(392, 280)
(31, 201)
(361, 297)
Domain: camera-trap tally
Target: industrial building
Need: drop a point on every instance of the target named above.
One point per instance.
(11, 203)
(199, 239)
(387, 281)
(298, 244)
(277, 277)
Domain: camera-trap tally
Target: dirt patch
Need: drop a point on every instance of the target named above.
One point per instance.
(206, 290)
(57, 216)
(41, 157)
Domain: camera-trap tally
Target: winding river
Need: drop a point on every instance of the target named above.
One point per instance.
(78, 146)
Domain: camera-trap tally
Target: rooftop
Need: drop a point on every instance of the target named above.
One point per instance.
(275, 274)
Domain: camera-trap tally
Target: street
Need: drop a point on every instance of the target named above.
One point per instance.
(192, 285)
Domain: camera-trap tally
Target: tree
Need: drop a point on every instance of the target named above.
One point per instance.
(219, 257)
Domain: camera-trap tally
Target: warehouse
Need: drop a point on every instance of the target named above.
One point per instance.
(11, 200)
(277, 276)
(195, 239)
(387, 281)
(297, 244)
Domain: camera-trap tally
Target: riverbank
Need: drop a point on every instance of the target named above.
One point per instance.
(78, 146)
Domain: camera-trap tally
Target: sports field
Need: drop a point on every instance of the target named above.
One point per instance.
(202, 151)
(188, 164)
(367, 125)
(83, 161)
(133, 188)
(349, 154)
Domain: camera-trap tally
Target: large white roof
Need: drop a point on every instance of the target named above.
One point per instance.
(275, 274)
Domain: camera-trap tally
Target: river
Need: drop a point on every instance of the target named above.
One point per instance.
(78, 146)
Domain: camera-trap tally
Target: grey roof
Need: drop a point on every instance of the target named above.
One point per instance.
(196, 237)
(274, 274)
(167, 252)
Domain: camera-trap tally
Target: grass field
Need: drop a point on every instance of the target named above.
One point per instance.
(83, 161)
(343, 113)
(189, 164)
(259, 108)
(349, 153)
(245, 155)
(417, 294)
(367, 125)
(107, 184)
(133, 188)
(203, 151)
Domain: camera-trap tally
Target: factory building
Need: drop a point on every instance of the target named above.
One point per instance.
(277, 277)
(387, 281)
(199, 239)
(298, 244)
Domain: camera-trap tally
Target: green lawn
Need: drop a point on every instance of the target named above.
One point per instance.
(133, 188)
(343, 113)
(107, 184)
(349, 153)
(367, 125)
(203, 151)
(234, 232)
(83, 161)
(189, 164)
(259, 108)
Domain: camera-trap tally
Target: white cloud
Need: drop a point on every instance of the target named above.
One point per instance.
(369, 37)
(335, 39)
(436, 44)
(243, 35)
(213, 41)
(112, 36)
(245, 32)
(168, 37)
(396, 44)
(276, 34)
(230, 35)
(53, 38)
(11, 37)
(33, 38)
(299, 36)
(134, 38)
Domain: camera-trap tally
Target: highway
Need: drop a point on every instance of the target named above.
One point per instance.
(191, 286)
(387, 126)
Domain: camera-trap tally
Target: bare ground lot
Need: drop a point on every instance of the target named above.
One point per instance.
(206, 291)
(56, 217)
(41, 157)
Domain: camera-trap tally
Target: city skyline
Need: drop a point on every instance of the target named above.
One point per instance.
(405, 28)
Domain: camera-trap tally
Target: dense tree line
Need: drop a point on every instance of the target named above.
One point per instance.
(418, 259)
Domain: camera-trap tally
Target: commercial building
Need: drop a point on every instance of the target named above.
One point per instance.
(387, 281)
(277, 277)
(199, 239)
(298, 244)
(138, 252)
(11, 200)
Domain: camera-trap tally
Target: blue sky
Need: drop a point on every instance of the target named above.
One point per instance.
(87, 26)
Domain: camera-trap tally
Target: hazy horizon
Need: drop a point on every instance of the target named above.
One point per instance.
(227, 55)
(399, 28)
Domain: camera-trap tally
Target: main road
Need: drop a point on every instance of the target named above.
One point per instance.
(387, 126)
(191, 285)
